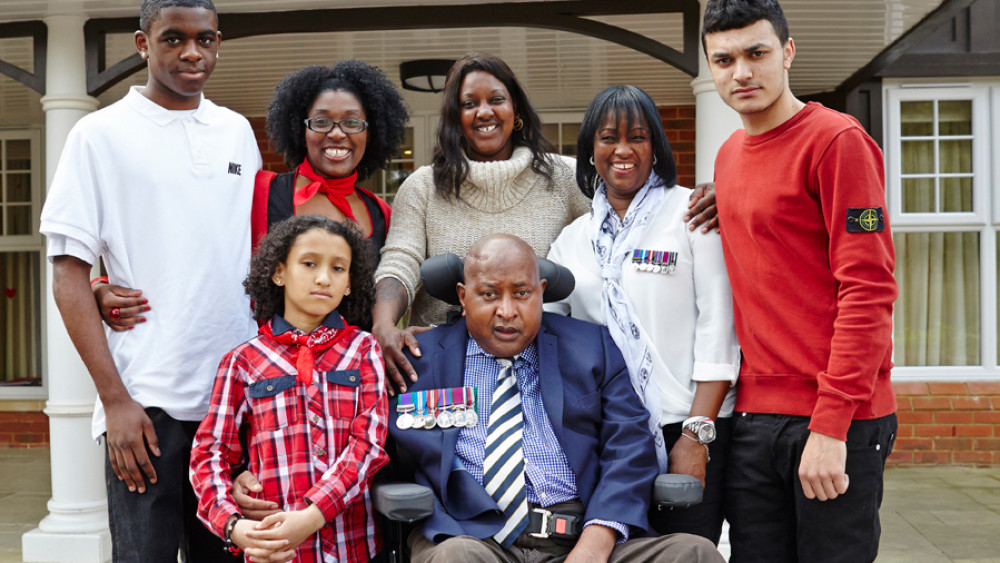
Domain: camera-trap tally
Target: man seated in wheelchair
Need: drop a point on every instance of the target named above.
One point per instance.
(525, 426)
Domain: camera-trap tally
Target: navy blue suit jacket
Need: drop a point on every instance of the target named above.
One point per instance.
(596, 416)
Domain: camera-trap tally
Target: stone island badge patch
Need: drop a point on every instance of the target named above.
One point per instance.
(865, 220)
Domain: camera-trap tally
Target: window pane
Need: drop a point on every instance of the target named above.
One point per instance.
(20, 314)
(917, 157)
(398, 171)
(18, 220)
(570, 131)
(955, 156)
(937, 314)
(918, 195)
(955, 117)
(18, 188)
(406, 150)
(18, 155)
(956, 195)
(551, 132)
(917, 118)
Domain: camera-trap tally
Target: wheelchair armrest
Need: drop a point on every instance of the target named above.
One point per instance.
(676, 491)
(403, 502)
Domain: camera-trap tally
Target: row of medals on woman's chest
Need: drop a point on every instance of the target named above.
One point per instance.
(453, 407)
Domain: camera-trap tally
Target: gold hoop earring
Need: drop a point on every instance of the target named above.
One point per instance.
(518, 123)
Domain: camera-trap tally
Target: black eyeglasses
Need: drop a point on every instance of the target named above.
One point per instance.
(351, 125)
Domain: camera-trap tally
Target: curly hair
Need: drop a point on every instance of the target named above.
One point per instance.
(385, 111)
(634, 105)
(269, 298)
(450, 164)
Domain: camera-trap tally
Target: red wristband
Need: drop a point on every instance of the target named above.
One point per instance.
(102, 279)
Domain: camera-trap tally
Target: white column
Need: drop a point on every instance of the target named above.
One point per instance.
(714, 120)
(76, 528)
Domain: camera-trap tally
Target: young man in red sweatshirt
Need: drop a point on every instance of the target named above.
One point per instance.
(800, 193)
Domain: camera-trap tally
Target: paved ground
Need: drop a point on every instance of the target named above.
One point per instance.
(929, 515)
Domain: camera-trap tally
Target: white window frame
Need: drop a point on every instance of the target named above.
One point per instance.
(984, 219)
(33, 242)
(562, 117)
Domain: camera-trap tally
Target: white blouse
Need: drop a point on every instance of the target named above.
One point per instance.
(688, 314)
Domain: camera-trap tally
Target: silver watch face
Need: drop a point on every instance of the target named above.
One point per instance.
(706, 433)
(703, 431)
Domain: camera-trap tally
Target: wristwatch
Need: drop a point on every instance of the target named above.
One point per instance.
(702, 427)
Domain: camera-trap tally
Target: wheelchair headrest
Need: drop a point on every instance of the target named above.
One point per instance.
(440, 274)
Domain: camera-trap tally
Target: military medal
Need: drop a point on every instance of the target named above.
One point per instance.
(404, 407)
(459, 406)
(471, 418)
(636, 258)
(445, 419)
(430, 420)
(669, 262)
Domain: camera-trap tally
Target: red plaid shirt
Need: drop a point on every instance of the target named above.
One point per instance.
(257, 383)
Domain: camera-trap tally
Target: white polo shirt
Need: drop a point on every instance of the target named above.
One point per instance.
(163, 197)
(688, 314)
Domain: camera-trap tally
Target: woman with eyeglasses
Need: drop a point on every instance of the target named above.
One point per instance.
(334, 125)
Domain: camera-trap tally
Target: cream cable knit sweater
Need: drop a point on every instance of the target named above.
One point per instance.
(498, 197)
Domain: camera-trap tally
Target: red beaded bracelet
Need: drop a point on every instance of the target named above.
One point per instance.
(228, 536)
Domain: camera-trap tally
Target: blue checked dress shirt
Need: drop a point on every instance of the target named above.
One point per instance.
(549, 478)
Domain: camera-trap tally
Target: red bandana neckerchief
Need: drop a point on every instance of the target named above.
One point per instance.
(307, 345)
(336, 189)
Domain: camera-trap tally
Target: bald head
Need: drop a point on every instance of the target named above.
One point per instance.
(502, 294)
(503, 249)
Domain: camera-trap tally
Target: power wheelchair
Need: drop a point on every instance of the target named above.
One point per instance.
(405, 504)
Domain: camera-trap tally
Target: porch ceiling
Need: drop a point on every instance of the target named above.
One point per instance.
(561, 70)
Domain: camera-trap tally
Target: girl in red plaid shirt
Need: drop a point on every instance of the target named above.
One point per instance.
(311, 388)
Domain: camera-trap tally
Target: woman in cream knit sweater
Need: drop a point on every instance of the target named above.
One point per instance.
(492, 172)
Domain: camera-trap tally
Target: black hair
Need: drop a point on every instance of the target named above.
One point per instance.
(385, 111)
(450, 164)
(723, 15)
(269, 298)
(150, 9)
(622, 102)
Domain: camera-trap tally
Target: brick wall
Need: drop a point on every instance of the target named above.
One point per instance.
(679, 123)
(948, 423)
(272, 161)
(24, 430)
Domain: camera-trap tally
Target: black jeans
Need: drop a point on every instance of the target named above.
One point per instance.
(151, 527)
(704, 519)
(770, 518)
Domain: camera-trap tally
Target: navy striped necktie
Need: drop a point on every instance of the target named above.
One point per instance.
(503, 467)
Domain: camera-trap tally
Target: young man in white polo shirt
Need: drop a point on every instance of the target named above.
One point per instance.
(159, 185)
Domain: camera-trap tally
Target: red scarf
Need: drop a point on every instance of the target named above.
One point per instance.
(307, 346)
(336, 189)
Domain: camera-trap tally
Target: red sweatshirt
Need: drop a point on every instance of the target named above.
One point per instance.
(810, 258)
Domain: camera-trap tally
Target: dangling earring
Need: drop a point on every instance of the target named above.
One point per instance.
(592, 161)
(518, 123)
